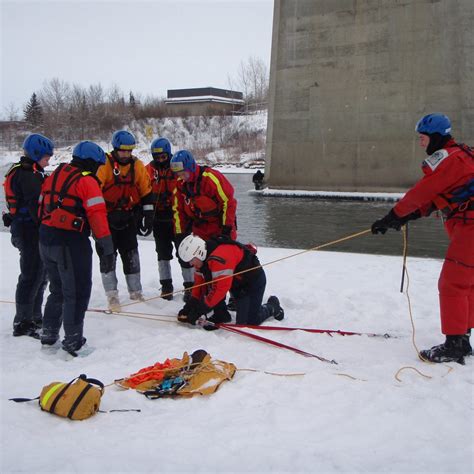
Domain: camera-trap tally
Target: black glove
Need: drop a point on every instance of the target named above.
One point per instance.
(107, 263)
(7, 219)
(392, 221)
(189, 306)
(145, 226)
(226, 230)
(104, 246)
(192, 311)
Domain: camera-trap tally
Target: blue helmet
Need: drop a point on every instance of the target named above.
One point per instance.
(89, 151)
(36, 146)
(123, 140)
(434, 123)
(160, 145)
(183, 161)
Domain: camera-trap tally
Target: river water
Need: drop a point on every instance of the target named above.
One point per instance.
(303, 223)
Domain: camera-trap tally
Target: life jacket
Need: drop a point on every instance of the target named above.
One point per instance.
(58, 207)
(459, 200)
(249, 260)
(163, 183)
(197, 206)
(14, 203)
(122, 193)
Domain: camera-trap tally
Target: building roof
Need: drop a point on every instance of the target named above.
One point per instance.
(204, 92)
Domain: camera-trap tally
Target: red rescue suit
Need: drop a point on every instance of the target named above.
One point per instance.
(71, 199)
(204, 205)
(446, 171)
(223, 261)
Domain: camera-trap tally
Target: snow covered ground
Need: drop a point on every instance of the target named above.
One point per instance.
(350, 417)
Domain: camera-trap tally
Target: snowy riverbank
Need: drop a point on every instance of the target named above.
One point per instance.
(350, 417)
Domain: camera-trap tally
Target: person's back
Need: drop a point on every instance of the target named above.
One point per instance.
(71, 206)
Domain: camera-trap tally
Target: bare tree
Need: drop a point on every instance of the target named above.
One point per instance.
(11, 112)
(252, 80)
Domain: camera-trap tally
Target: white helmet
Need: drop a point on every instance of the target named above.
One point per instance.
(192, 246)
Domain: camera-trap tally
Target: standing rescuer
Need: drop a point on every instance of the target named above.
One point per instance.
(163, 183)
(71, 205)
(447, 186)
(203, 202)
(22, 189)
(127, 192)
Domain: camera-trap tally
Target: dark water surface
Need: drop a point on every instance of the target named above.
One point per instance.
(306, 222)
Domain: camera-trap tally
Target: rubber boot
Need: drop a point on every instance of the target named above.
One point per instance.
(166, 289)
(23, 324)
(187, 292)
(466, 345)
(276, 310)
(451, 350)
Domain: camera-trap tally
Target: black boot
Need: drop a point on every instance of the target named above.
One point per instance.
(187, 292)
(466, 345)
(220, 314)
(26, 328)
(451, 351)
(232, 304)
(276, 310)
(166, 289)
(49, 337)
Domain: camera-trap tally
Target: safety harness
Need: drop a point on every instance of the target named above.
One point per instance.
(60, 208)
(121, 193)
(249, 260)
(199, 207)
(162, 181)
(457, 202)
(15, 204)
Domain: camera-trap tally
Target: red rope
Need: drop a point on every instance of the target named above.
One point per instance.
(233, 329)
(318, 331)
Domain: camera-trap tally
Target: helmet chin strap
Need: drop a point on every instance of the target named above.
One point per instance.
(437, 141)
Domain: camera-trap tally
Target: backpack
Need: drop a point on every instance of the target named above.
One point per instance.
(78, 399)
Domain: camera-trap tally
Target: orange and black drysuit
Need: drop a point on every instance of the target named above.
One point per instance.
(205, 205)
(226, 257)
(163, 182)
(127, 192)
(448, 186)
(71, 206)
(22, 189)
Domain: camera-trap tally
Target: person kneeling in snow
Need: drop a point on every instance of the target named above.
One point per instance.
(217, 260)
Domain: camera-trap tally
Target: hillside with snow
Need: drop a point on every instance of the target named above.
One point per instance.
(238, 141)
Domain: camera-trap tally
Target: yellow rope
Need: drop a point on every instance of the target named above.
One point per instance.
(405, 269)
(297, 374)
(411, 368)
(312, 249)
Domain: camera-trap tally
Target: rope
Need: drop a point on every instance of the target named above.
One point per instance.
(312, 249)
(413, 334)
(411, 368)
(300, 374)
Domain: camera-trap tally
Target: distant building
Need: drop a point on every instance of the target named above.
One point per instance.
(204, 101)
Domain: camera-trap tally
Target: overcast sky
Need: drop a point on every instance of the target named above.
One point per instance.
(143, 46)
